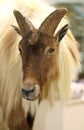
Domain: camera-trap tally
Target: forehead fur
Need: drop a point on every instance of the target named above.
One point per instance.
(38, 38)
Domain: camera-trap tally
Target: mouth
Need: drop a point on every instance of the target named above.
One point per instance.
(31, 93)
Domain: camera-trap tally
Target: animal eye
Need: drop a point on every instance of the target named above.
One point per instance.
(50, 51)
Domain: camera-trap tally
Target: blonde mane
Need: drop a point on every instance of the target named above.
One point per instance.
(11, 66)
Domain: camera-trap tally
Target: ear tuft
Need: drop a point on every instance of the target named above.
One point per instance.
(61, 33)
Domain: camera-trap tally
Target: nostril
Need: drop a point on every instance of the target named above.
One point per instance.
(23, 91)
(28, 91)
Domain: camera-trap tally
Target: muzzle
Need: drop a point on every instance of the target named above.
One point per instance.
(30, 90)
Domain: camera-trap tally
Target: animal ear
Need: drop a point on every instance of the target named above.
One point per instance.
(61, 33)
(17, 30)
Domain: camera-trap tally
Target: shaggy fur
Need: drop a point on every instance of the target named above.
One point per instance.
(11, 66)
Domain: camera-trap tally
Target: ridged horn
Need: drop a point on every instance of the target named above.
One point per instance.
(24, 24)
(51, 22)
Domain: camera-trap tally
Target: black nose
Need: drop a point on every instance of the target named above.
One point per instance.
(30, 90)
(27, 92)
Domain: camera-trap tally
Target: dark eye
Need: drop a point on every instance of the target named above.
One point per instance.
(50, 51)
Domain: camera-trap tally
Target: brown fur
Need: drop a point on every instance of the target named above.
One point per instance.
(58, 77)
(34, 56)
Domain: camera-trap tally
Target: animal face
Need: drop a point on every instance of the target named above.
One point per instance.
(38, 61)
(39, 51)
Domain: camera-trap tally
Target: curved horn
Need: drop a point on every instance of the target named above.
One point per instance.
(51, 22)
(24, 23)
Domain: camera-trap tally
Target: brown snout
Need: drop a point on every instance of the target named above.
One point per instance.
(30, 89)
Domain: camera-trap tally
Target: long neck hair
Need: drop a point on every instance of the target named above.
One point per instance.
(11, 65)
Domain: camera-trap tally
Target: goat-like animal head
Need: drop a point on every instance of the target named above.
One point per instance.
(39, 51)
